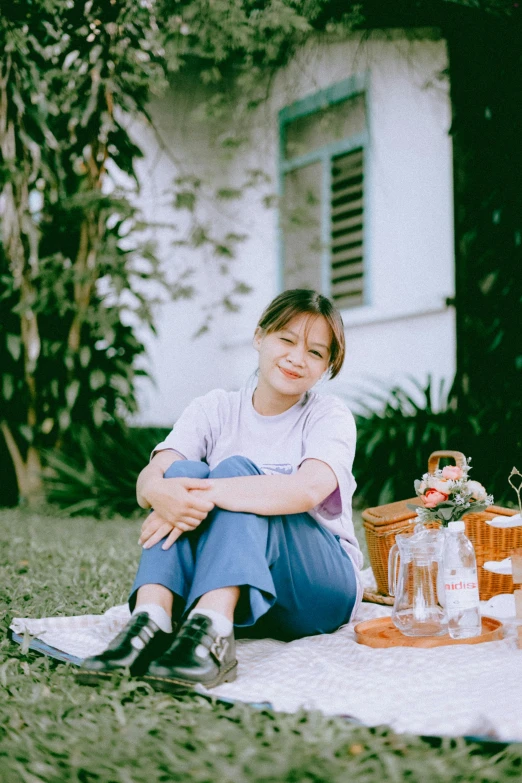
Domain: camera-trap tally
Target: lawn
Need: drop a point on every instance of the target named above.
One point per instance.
(52, 729)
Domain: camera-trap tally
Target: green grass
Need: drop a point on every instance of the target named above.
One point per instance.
(52, 729)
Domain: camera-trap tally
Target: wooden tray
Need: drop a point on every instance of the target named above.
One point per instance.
(382, 633)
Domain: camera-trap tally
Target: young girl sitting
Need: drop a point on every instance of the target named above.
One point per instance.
(251, 527)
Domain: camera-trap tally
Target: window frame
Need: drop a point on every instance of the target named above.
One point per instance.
(322, 99)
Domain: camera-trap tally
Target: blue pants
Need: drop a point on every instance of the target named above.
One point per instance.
(295, 578)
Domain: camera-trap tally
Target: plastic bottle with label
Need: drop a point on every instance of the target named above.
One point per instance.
(461, 583)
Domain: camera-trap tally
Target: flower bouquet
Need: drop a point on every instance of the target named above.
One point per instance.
(448, 494)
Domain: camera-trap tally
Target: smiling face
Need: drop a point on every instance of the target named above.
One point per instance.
(292, 359)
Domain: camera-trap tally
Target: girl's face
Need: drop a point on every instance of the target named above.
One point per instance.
(293, 359)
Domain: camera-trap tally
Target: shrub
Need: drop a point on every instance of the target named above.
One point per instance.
(394, 442)
(96, 473)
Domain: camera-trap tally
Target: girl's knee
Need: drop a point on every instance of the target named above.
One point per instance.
(185, 468)
(235, 466)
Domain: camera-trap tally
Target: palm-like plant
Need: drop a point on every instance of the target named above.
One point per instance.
(97, 474)
(398, 430)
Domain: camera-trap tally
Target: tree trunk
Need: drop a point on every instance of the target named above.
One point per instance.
(20, 239)
(28, 471)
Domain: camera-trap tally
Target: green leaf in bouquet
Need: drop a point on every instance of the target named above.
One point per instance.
(474, 508)
(413, 506)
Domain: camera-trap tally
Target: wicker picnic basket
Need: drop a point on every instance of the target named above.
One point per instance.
(382, 523)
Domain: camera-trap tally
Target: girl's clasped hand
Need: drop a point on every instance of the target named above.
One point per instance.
(180, 505)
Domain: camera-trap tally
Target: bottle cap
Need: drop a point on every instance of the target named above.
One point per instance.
(457, 527)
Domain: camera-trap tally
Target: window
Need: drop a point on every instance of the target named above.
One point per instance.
(323, 142)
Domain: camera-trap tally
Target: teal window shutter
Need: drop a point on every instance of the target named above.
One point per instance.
(347, 229)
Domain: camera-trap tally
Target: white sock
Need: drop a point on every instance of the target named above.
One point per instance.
(157, 614)
(221, 623)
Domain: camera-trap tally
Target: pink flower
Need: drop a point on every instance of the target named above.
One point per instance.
(433, 497)
(452, 472)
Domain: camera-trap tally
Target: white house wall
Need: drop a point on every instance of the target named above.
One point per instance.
(406, 329)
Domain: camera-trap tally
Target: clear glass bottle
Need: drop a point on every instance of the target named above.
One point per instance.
(461, 594)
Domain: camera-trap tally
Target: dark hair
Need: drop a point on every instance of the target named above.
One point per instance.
(299, 301)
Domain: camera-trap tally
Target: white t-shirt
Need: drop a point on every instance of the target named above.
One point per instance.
(222, 424)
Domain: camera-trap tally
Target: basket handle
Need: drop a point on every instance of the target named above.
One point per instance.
(436, 456)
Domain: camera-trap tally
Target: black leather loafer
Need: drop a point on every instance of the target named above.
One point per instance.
(198, 656)
(139, 643)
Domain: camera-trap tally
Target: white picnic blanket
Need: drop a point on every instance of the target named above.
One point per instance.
(458, 690)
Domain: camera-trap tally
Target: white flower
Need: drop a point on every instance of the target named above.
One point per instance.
(442, 485)
(478, 492)
(423, 514)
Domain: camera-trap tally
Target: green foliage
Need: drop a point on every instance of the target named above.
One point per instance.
(486, 78)
(75, 275)
(96, 474)
(396, 433)
(399, 429)
(74, 272)
(53, 730)
(94, 386)
(243, 38)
